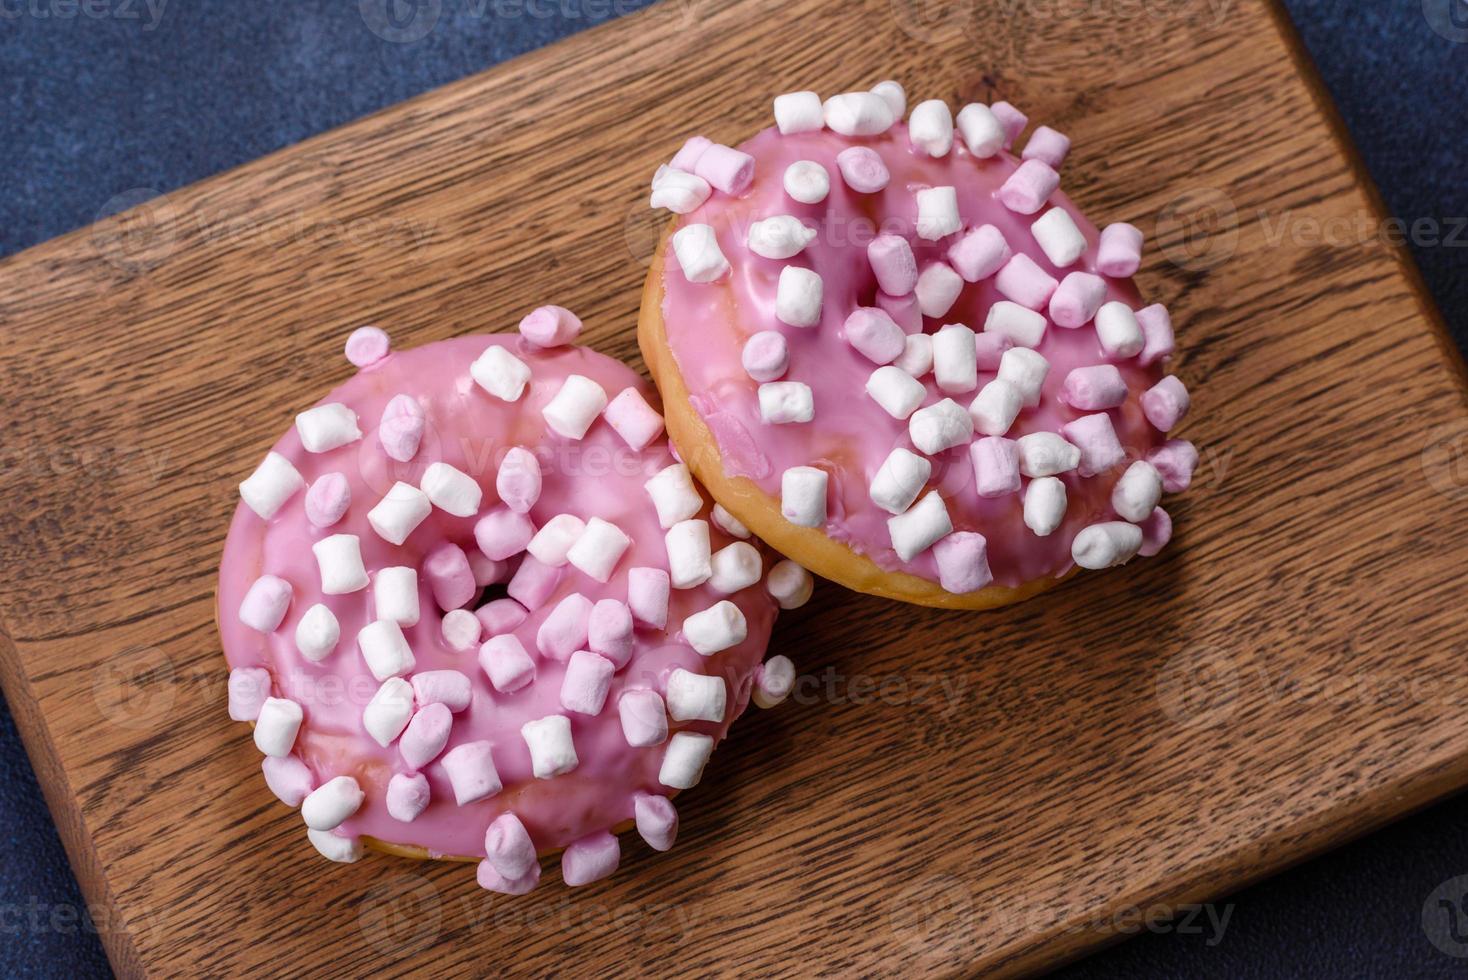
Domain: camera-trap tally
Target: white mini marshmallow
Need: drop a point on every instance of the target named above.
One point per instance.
(940, 426)
(937, 215)
(327, 427)
(684, 760)
(689, 558)
(460, 628)
(266, 603)
(996, 407)
(1058, 237)
(401, 510)
(728, 523)
(1023, 327)
(395, 595)
(803, 496)
(783, 402)
(858, 114)
(385, 649)
(930, 127)
(981, 130)
(735, 566)
(900, 479)
(1106, 544)
(774, 682)
(552, 543)
(673, 494)
(798, 297)
(451, 490)
(780, 237)
(807, 182)
(274, 482)
(387, 714)
(342, 850)
(696, 697)
(1044, 505)
(331, 803)
(898, 392)
(1118, 330)
(920, 527)
(599, 548)
(575, 406)
(276, 726)
(1025, 369)
(917, 355)
(938, 288)
(798, 112)
(552, 752)
(789, 584)
(696, 248)
(500, 373)
(955, 359)
(339, 557)
(317, 633)
(1046, 454)
(892, 93)
(718, 627)
(1138, 492)
(678, 191)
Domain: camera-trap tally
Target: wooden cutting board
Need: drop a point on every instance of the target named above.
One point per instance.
(946, 792)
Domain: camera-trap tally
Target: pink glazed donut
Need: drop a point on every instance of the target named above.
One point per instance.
(903, 358)
(474, 609)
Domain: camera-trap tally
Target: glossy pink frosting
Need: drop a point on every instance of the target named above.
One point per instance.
(851, 435)
(596, 476)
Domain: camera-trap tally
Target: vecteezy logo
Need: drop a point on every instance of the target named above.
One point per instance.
(1445, 917)
(1198, 688)
(401, 21)
(1447, 18)
(933, 20)
(135, 688)
(401, 916)
(1445, 460)
(135, 230)
(1199, 229)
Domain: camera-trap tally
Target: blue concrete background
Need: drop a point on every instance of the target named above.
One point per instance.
(105, 96)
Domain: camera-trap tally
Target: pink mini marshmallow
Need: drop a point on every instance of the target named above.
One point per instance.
(502, 533)
(766, 356)
(491, 880)
(1075, 302)
(963, 562)
(1048, 146)
(550, 326)
(1157, 337)
(893, 263)
(505, 662)
(533, 582)
(609, 631)
(1023, 281)
(426, 735)
(989, 349)
(632, 418)
(1011, 120)
(449, 576)
(687, 156)
(248, 689)
(565, 630)
(1120, 252)
(449, 688)
(1175, 459)
(644, 717)
(657, 820)
(401, 429)
(589, 859)
(471, 772)
(407, 796)
(1156, 532)
(1029, 187)
(288, 778)
(507, 846)
(328, 499)
(1096, 438)
(1165, 403)
(367, 345)
(1092, 389)
(862, 169)
(586, 683)
(518, 481)
(874, 335)
(486, 570)
(980, 253)
(500, 616)
(725, 168)
(647, 596)
(996, 466)
(265, 605)
(904, 311)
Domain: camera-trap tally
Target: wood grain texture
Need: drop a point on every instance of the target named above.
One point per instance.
(947, 792)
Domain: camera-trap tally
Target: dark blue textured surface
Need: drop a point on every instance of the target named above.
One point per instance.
(107, 96)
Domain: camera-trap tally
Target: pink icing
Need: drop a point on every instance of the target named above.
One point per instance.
(708, 324)
(596, 476)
